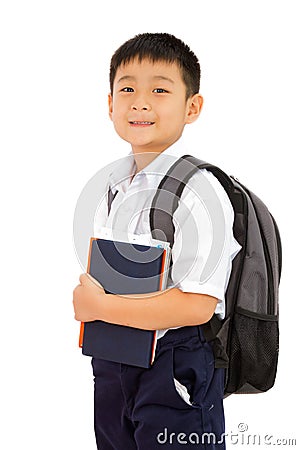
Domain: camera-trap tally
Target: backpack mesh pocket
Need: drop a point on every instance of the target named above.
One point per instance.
(254, 354)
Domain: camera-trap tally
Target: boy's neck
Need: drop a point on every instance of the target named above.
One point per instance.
(142, 160)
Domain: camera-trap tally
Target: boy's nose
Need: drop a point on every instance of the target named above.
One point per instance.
(141, 106)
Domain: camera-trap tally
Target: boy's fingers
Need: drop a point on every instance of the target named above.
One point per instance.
(87, 278)
(96, 282)
(83, 279)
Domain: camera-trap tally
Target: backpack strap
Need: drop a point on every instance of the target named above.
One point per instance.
(166, 199)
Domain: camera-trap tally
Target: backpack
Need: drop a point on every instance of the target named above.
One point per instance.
(246, 341)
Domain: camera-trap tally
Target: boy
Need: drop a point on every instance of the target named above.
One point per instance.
(154, 80)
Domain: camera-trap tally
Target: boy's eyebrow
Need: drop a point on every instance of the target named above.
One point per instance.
(125, 78)
(161, 77)
(156, 77)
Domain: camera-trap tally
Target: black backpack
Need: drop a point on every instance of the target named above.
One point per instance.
(246, 342)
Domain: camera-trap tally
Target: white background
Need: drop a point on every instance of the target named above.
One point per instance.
(55, 134)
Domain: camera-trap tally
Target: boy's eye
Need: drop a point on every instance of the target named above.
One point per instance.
(159, 91)
(127, 89)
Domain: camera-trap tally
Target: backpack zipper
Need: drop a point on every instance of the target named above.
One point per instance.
(271, 299)
(279, 248)
(271, 307)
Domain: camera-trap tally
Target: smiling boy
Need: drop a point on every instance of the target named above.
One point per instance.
(154, 80)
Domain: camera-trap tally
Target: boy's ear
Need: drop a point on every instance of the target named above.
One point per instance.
(194, 106)
(110, 106)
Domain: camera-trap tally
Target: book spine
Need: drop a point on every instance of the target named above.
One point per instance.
(162, 271)
(81, 332)
(153, 347)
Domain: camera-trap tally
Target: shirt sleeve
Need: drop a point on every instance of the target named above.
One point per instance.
(204, 245)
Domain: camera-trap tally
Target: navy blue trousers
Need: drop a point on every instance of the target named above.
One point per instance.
(138, 408)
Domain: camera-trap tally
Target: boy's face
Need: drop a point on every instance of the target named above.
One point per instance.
(148, 105)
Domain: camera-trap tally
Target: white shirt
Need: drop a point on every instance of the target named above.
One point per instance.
(204, 212)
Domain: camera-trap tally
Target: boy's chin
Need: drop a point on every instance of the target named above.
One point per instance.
(142, 144)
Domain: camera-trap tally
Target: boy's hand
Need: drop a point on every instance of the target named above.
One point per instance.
(87, 298)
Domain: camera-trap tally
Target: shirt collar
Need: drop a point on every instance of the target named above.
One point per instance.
(120, 178)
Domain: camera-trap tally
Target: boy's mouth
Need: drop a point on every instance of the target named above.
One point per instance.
(141, 123)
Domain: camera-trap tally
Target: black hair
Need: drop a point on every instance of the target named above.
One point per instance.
(159, 47)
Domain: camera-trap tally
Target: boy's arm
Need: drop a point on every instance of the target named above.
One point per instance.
(154, 311)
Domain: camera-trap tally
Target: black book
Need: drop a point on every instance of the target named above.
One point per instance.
(123, 268)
